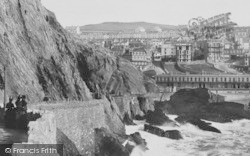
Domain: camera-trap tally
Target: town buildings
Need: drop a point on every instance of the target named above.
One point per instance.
(168, 50)
(138, 56)
(215, 50)
(184, 52)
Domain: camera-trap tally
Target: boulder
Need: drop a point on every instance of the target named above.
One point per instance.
(203, 125)
(134, 140)
(136, 137)
(172, 134)
(198, 122)
(157, 117)
(108, 144)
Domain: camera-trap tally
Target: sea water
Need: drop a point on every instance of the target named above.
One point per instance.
(234, 140)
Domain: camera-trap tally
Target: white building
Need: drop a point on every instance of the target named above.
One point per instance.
(168, 50)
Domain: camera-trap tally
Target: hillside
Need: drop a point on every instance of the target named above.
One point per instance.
(122, 26)
(44, 60)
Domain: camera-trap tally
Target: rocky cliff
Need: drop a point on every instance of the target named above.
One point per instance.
(44, 60)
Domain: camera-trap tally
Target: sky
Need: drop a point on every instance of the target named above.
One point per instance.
(171, 12)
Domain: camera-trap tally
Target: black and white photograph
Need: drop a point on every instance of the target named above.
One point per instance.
(124, 78)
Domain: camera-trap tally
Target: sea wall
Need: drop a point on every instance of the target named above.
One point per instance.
(71, 124)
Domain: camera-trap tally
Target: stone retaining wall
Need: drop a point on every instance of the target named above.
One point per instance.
(71, 123)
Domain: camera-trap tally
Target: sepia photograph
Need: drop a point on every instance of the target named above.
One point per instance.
(124, 78)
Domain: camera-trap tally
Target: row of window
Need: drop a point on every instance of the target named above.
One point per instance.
(140, 63)
(203, 79)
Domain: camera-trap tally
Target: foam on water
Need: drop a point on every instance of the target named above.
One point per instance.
(234, 140)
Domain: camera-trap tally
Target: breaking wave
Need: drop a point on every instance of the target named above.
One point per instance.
(233, 140)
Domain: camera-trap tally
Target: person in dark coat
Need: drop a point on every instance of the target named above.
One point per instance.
(18, 102)
(10, 113)
(24, 103)
(10, 105)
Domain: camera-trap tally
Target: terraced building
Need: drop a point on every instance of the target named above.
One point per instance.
(214, 82)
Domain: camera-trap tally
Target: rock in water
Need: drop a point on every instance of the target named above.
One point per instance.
(108, 145)
(203, 125)
(172, 134)
(198, 122)
(134, 141)
(157, 117)
(136, 137)
(189, 101)
(196, 103)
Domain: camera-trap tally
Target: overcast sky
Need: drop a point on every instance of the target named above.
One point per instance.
(172, 12)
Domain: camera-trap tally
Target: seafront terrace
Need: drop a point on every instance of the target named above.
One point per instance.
(218, 82)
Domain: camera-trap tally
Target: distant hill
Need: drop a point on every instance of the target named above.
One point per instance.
(122, 26)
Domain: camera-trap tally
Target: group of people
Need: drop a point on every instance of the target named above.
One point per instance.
(20, 104)
(15, 115)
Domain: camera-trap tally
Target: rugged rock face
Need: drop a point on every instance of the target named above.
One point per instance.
(108, 144)
(40, 56)
(42, 59)
(134, 105)
(135, 142)
(196, 103)
(189, 100)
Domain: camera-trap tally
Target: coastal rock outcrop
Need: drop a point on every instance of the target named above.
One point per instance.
(199, 123)
(157, 117)
(135, 140)
(172, 134)
(197, 103)
(189, 101)
(108, 144)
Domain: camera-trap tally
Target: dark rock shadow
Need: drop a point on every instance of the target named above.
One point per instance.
(69, 148)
